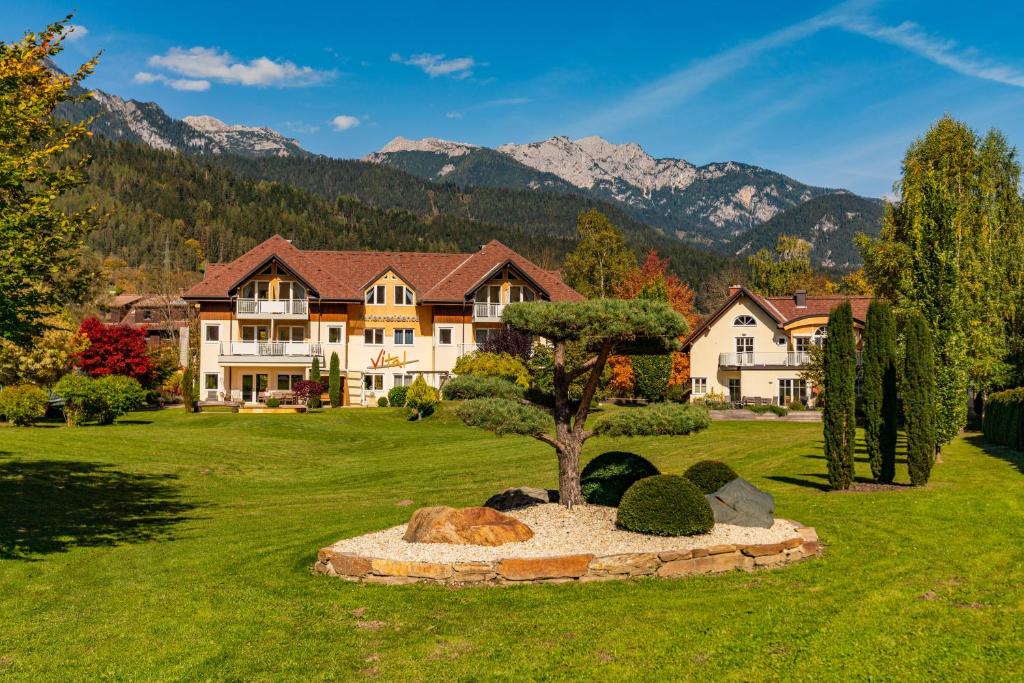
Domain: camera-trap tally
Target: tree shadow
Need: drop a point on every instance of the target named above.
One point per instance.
(1015, 458)
(50, 506)
(811, 484)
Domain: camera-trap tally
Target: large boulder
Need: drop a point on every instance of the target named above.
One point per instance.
(521, 497)
(742, 504)
(465, 526)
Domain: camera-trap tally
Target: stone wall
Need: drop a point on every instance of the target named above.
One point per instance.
(582, 568)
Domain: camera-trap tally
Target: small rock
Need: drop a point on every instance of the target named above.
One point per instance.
(532, 569)
(740, 503)
(520, 497)
(467, 526)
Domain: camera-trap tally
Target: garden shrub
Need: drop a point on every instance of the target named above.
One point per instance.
(606, 477)
(656, 419)
(502, 365)
(382, 402)
(665, 505)
(504, 416)
(396, 397)
(309, 392)
(273, 402)
(1004, 418)
(421, 397)
(768, 408)
(676, 393)
(465, 387)
(82, 401)
(710, 475)
(313, 400)
(22, 404)
(118, 395)
(334, 381)
(796, 405)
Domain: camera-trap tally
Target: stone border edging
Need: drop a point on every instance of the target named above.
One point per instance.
(566, 568)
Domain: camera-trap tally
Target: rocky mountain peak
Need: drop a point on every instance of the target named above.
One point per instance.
(434, 145)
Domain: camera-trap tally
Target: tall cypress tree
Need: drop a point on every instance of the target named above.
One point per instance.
(919, 398)
(334, 381)
(840, 421)
(880, 408)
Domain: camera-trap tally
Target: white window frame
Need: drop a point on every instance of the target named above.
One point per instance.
(699, 386)
(255, 284)
(291, 333)
(402, 379)
(373, 379)
(488, 331)
(748, 344)
(340, 329)
(255, 333)
(520, 293)
(372, 298)
(206, 333)
(818, 338)
(373, 332)
(291, 380)
(406, 297)
(744, 317)
(803, 339)
(451, 336)
(407, 334)
(216, 381)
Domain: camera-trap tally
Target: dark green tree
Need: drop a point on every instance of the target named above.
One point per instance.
(601, 259)
(652, 373)
(334, 381)
(785, 272)
(315, 376)
(840, 422)
(919, 398)
(881, 411)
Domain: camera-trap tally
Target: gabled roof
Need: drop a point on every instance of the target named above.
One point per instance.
(343, 275)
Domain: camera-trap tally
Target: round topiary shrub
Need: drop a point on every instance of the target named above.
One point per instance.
(382, 402)
(710, 475)
(396, 397)
(606, 477)
(665, 505)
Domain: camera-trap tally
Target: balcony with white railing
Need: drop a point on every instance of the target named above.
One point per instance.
(283, 309)
(764, 359)
(486, 312)
(270, 351)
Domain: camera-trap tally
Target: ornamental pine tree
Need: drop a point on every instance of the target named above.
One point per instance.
(881, 412)
(919, 399)
(840, 397)
(334, 381)
(315, 376)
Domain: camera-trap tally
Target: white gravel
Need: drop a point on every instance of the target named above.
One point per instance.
(586, 529)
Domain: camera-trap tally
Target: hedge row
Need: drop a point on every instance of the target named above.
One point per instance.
(1004, 418)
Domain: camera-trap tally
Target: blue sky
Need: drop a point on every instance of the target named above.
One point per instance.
(830, 93)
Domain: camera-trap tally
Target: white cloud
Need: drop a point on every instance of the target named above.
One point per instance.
(74, 32)
(189, 84)
(299, 127)
(145, 77)
(218, 65)
(344, 122)
(453, 115)
(436, 65)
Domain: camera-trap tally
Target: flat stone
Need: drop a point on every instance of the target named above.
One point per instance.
(676, 568)
(466, 526)
(466, 577)
(810, 549)
(713, 564)
(473, 567)
(391, 580)
(699, 552)
(349, 564)
(633, 564)
(426, 570)
(770, 560)
(807, 533)
(722, 548)
(529, 569)
(595, 578)
(520, 497)
(764, 549)
(674, 555)
(740, 503)
(794, 542)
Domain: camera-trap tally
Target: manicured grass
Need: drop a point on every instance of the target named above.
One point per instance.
(179, 547)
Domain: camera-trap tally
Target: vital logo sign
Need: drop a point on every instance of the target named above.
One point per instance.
(386, 360)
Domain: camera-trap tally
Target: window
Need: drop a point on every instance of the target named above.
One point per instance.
(376, 295)
(735, 390)
(334, 334)
(744, 345)
(483, 334)
(403, 296)
(291, 290)
(286, 382)
(403, 380)
(257, 289)
(489, 294)
(255, 333)
(802, 344)
(403, 337)
(210, 381)
(444, 336)
(147, 314)
(291, 333)
(373, 382)
(519, 293)
(792, 390)
(213, 333)
(373, 336)
(744, 321)
(818, 338)
(699, 385)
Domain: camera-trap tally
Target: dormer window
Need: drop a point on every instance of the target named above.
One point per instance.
(376, 295)
(818, 338)
(744, 321)
(403, 296)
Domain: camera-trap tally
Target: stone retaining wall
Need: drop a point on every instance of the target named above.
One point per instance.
(582, 568)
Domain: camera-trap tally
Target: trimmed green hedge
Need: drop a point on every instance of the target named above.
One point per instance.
(656, 419)
(465, 387)
(710, 475)
(665, 505)
(1004, 418)
(607, 477)
(397, 395)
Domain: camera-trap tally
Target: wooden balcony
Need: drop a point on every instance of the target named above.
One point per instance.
(278, 309)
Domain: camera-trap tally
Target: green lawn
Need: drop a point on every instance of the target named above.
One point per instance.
(179, 547)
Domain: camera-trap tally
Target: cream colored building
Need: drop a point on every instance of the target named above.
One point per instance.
(755, 347)
(389, 316)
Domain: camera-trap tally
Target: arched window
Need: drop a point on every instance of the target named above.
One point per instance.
(818, 338)
(744, 321)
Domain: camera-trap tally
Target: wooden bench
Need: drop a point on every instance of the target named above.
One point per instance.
(756, 401)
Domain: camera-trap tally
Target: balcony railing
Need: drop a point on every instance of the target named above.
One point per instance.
(487, 312)
(268, 308)
(270, 348)
(754, 359)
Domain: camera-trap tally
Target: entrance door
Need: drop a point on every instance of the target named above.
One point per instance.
(253, 386)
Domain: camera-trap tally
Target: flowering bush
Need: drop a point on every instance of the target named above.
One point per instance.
(309, 391)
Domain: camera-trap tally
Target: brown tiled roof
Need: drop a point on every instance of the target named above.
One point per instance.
(341, 275)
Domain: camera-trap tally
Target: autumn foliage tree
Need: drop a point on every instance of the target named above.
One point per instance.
(116, 350)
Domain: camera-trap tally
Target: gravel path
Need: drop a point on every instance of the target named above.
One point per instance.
(586, 529)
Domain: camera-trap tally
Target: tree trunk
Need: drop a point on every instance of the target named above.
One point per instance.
(569, 491)
(938, 454)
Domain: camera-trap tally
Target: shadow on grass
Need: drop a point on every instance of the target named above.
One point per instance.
(50, 506)
(1015, 458)
(816, 480)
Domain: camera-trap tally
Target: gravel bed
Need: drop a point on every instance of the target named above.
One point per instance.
(586, 529)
